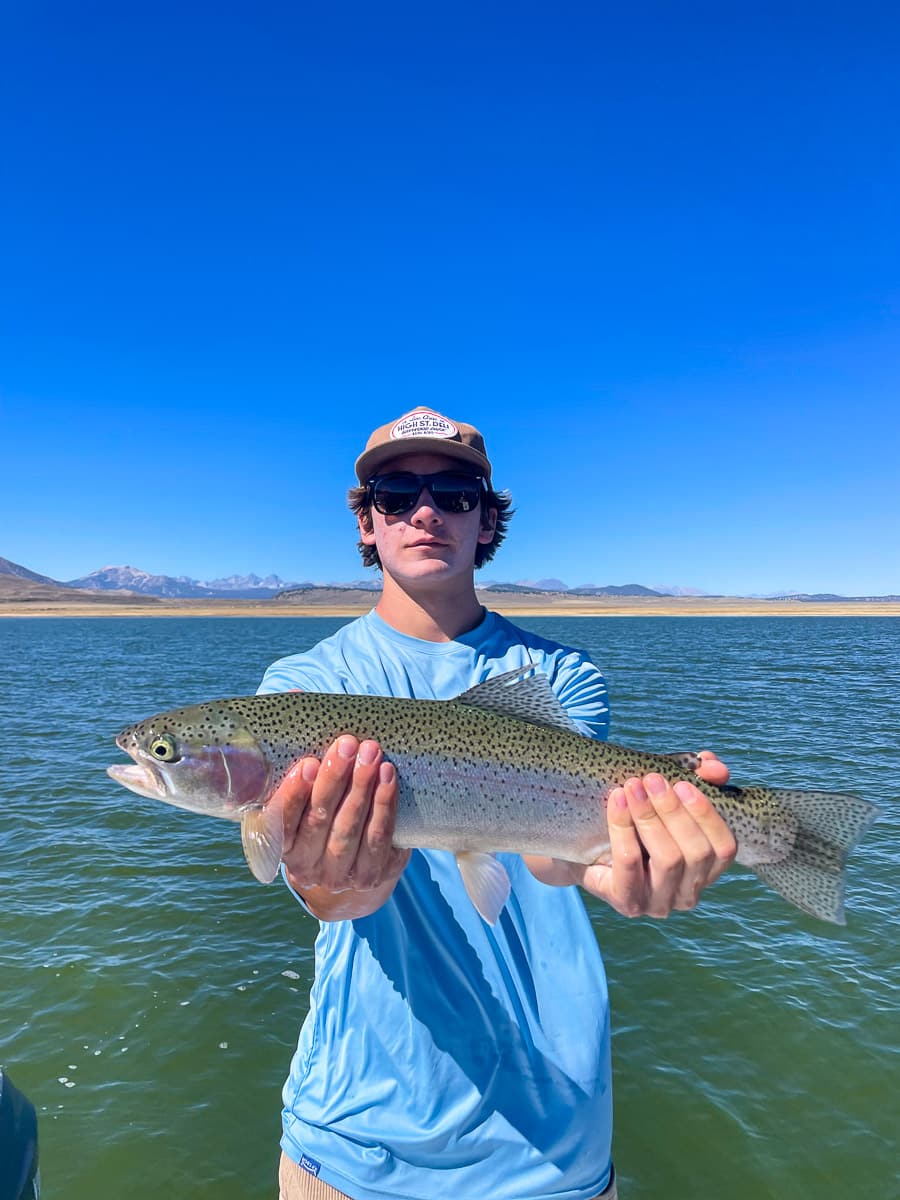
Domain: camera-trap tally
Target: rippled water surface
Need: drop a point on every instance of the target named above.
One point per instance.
(152, 990)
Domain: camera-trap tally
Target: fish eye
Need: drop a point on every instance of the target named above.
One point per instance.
(164, 748)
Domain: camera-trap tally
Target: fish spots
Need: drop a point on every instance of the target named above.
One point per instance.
(735, 793)
(473, 779)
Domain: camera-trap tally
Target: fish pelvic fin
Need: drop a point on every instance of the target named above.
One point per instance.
(262, 836)
(813, 873)
(486, 881)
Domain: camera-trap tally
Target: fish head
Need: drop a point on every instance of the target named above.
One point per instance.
(201, 758)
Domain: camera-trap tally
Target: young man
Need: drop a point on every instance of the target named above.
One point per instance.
(443, 1057)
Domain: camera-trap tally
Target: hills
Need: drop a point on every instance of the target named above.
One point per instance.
(558, 588)
(19, 585)
(131, 580)
(233, 587)
(134, 582)
(15, 571)
(129, 584)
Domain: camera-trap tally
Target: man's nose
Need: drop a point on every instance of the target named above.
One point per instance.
(426, 510)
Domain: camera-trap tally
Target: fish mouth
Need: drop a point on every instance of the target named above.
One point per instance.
(140, 779)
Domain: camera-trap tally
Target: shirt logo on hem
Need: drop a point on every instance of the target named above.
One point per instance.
(310, 1165)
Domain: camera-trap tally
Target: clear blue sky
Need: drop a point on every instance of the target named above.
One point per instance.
(650, 249)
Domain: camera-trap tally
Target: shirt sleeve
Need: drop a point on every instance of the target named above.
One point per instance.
(290, 675)
(582, 691)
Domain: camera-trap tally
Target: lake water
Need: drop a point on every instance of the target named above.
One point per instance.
(152, 990)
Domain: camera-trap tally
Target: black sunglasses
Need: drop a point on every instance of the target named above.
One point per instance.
(398, 492)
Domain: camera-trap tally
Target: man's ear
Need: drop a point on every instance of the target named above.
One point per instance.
(366, 529)
(488, 527)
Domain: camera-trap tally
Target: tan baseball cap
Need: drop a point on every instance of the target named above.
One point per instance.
(423, 431)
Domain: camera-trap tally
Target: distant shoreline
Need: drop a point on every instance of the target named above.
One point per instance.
(508, 604)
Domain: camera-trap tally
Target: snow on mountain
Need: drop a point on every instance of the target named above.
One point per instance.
(675, 589)
(234, 587)
(248, 583)
(114, 578)
(543, 585)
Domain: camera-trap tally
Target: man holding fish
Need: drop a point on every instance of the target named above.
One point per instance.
(444, 1056)
(457, 1043)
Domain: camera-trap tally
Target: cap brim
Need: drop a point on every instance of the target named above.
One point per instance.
(371, 461)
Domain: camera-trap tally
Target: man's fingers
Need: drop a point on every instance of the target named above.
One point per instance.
(721, 840)
(292, 796)
(698, 849)
(378, 859)
(350, 817)
(650, 801)
(712, 769)
(666, 844)
(330, 785)
(624, 882)
(692, 855)
(343, 838)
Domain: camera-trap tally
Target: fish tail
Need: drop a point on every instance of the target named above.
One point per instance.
(813, 875)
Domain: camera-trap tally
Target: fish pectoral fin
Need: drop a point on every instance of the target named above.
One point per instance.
(486, 881)
(262, 836)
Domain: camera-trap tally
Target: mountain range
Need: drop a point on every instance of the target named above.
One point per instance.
(236, 587)
(126, 580)
(123, 582)
(131, 581)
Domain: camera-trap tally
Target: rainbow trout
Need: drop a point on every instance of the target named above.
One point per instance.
(500, 767)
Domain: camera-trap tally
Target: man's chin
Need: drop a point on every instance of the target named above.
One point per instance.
(432, 565)
(425, 568)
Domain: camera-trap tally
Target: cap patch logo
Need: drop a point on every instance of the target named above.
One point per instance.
(424, 424)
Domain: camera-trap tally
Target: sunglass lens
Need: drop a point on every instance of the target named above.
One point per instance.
(452, 491)
(455, 493)
(395, 494)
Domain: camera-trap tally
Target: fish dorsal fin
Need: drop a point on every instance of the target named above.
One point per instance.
(524, 694)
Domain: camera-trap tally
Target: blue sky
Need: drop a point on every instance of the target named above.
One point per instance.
(650, 249)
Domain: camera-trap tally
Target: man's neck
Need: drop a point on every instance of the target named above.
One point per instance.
(433, 616)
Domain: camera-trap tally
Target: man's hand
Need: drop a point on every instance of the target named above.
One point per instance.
(338, 828)
(666, 845)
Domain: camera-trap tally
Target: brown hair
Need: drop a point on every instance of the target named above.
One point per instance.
(357, 498)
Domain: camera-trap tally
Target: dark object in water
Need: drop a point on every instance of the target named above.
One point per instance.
(19, 1178)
